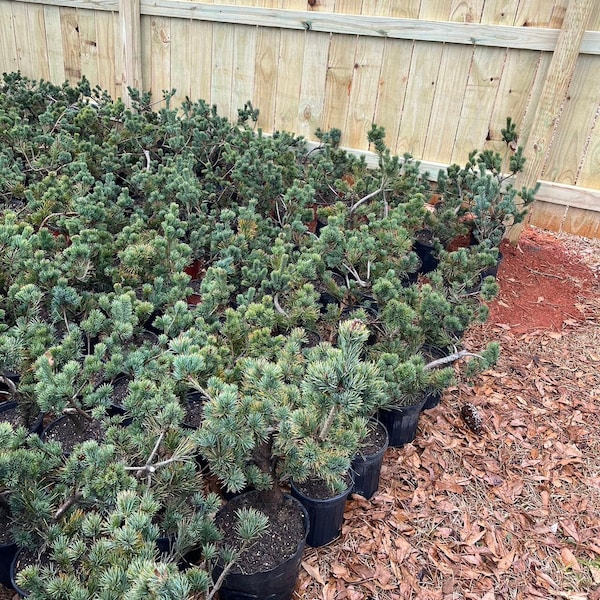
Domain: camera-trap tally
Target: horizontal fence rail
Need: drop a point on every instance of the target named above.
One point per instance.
(440, 76)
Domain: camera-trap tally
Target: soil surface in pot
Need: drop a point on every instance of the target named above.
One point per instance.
(120, 390)
(374, 441)
(193, 403)
(317, 489)
(69, 435)
(286, 530)
(13, 417)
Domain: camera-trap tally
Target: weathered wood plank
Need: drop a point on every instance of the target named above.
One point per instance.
(450, 89)
(533, 38)
(312, 89)
(9, 60)
(340, 71)
(181, 58)
(56, 62)
(363, 94)
(20, 22)
(107, 55)
(244, 58)
(555, 89)
(222, 68)
(71, 46)
(574, 135)
(201, 62)
(547, 215)
(395, 69)
(420, 93)
(88, 45)
(480, 95)
(130, 31)
(581, 222)
(160, 59)
(289, 79)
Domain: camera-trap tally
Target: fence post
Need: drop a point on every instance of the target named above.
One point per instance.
(131, 46)
(552, 97)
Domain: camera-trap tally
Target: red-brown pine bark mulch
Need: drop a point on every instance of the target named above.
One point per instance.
(512, 513)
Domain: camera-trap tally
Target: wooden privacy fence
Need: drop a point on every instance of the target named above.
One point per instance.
(440, 75)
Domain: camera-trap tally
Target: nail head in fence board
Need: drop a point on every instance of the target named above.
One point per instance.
(555, 89)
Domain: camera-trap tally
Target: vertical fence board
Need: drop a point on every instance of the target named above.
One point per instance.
(71, 45)
(466, 11)
(201, 61)
(222, 65)
(22, 39)
(435, 10)
(289, 79)
(56, 61)
(160, 58)
(88, 44)
(340, 70)
(409, 9)
(181, 59)
(265, 80)
(8, 52)
(448, 101)
(37, 36)
(481, 92)
(395, 68)
(579, 221)
(573, 134)
(536, 13)
(243, 66)
(363, 93)
(549, 216)
(500, 12)
(107, 65)
(314, 75)
(422, 81)
(514, 90)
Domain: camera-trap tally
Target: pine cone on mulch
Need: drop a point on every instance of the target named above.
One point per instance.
(472, 418)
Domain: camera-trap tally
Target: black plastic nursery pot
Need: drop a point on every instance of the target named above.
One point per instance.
(425, 250)
(325, 515)
(277, 583)
(11, 406)
(432, 399)
(401, 422)
(63, 429)
(13, 573)
(7, 555)
(366, 469)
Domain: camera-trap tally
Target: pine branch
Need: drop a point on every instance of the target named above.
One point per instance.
(457, 355)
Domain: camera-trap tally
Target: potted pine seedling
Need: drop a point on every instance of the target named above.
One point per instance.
(24, 336)
(482, 191)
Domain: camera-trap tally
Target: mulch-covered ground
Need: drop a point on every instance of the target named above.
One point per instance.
(512, 512)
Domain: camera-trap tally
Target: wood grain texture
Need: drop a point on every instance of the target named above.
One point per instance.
(8, 50)
(575, 135)
(552, 99)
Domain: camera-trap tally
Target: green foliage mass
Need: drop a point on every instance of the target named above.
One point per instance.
(311, 316)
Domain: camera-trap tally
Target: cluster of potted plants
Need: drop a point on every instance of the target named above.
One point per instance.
(193, 310)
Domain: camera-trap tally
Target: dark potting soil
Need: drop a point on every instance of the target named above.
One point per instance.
(66, 432)
(193, 403)
(319, 489)
(29, 558)
(5, 522)
(374, 441)
(120, 390)
(281, 540)
(11, 416)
